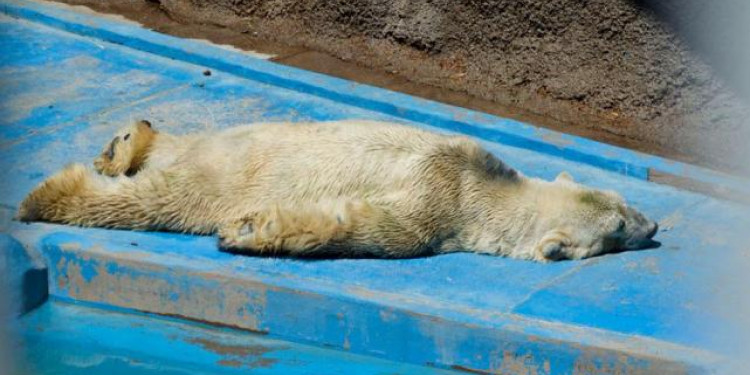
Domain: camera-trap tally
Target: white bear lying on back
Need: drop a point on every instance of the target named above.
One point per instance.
(337, 189)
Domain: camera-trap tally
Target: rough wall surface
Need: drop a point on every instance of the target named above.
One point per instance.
(605, 64)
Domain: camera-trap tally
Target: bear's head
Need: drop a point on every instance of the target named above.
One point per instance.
(576, 222)
(127, 151)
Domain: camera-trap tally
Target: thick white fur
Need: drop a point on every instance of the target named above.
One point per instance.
(347, 188)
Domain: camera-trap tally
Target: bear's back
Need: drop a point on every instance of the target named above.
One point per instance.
(356, 159)
(313, 160)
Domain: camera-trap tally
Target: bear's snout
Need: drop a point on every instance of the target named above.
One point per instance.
(641, 238)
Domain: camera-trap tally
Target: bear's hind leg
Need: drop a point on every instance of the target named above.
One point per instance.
(50, 200)
(79, 196)
(332, 229)
(281, 231)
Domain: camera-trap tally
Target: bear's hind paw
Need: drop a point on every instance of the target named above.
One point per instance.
(48, 200)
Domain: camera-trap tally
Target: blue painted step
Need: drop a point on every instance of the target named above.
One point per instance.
(61, 338)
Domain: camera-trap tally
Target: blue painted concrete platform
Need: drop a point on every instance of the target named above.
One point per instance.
(70, 80)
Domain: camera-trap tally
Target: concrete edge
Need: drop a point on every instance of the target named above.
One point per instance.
(366, 322)
(23, 278)
(487, 127)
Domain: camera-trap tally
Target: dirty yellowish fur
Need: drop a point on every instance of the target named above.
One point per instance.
(336, 189)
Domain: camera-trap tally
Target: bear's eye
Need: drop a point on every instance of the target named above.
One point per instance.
(126, 136)
(621, 225)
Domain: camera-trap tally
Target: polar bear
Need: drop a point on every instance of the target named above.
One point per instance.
(336, 189)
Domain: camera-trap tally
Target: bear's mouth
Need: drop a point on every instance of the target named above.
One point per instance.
(644, 243)
(648, 243)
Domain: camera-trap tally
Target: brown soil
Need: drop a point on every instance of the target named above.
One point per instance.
(604, 69)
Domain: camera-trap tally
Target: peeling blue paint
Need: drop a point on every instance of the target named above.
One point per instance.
(88, 271)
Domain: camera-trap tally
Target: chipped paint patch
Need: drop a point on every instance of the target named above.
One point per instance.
(130, 281)
(247, 356)
(231, 350)
(647, 264)
(555, 138)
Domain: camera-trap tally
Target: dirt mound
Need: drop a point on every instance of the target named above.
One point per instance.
(604, 65)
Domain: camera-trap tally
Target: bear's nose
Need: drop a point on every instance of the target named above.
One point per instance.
(653, 230)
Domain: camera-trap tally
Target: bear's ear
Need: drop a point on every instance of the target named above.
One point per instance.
(552, 246)
(564, 176)
(144, 123)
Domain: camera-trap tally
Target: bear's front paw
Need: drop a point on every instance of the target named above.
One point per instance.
(48, 200)
(255, 233)
(237, 234)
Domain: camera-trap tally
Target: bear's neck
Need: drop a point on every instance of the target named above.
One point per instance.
(166, 148)
(500, 216)
(142, 146)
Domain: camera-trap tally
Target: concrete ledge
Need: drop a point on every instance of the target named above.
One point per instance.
(185, 277)
(472, 123)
